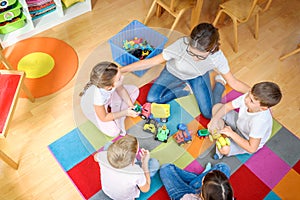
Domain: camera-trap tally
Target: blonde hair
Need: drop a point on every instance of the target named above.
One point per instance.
(122, 153)
(101, 76)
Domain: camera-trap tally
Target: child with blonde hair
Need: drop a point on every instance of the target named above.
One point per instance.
(106, 102)
(121, 177)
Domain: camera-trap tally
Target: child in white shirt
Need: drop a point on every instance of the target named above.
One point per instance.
(251, 127)
(106, 102)
(121, 177)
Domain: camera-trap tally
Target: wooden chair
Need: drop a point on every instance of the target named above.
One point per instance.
(290, 53)
(175, 7)
(11, 82)
(240, 11)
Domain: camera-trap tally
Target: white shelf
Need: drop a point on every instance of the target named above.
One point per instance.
(45, 22)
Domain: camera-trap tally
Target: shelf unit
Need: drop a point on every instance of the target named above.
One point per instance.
(32, 27)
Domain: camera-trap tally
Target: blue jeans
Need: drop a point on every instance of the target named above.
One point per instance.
(153, 166)
(168, 87)
(179, 182)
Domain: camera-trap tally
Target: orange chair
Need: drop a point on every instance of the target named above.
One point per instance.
(175, 7)
(240, 11)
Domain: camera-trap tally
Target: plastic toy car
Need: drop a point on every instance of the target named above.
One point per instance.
(221, 140)
(161, 111)
(150, 126)
(137, 108)
(183, 135)
(162, 134)
(146, 111)
(202, 133)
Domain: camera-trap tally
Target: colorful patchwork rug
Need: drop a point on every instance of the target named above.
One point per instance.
(271, 173)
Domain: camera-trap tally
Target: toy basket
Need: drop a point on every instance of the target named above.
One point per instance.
(132, 30)
(5, 3)
(18, 22)
(11, 13)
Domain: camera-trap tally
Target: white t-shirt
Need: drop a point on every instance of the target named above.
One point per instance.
(256, 124)
(120, 184)
(183, 66)
(94, 96)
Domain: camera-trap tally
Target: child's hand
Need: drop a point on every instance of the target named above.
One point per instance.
(145, 156)
(131, 112)
(227, 131)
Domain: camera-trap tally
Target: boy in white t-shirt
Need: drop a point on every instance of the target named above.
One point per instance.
(121, 177)
(250, 128)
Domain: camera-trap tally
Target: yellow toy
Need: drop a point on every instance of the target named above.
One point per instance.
(161, 111)
(221, 140)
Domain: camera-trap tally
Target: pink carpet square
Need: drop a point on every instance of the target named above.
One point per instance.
(268, 166)
(194, 167)
(230, 96)
(86, 177)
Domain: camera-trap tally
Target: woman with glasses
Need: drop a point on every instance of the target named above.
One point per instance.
(189, 60)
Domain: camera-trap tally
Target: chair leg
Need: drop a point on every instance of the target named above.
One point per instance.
(217, 18)
(28, 93)
(8, 160)
(150, 12)
(290, 54)
(159, 10)
(256, 26)
(235, 24)
(175, 22)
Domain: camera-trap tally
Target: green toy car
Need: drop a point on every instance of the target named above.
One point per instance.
(162, 134)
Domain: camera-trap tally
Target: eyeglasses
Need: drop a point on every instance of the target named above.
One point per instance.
(195, 55)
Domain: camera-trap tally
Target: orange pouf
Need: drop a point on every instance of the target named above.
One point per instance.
(65, 63)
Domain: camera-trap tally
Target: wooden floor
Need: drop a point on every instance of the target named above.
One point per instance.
(36, 125)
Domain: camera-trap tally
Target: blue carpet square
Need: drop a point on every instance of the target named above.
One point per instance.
(155, 185)
(178, 115)
(71, 149)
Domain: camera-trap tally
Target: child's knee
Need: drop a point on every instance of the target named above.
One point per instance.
(112, 131)
(225, 150)
(152, 98)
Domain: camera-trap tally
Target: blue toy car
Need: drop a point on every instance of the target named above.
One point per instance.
(183, 135)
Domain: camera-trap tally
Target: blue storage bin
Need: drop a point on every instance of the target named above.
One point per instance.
(132, 30)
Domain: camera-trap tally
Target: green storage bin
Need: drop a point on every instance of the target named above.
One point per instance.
(14, 25)
(11, 13)
(5, 3)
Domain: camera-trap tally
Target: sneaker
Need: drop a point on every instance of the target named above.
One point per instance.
(216, 157)
(207, 167)
(219, 78)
